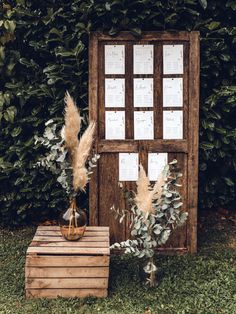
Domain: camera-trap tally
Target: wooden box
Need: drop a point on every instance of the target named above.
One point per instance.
(56, 267)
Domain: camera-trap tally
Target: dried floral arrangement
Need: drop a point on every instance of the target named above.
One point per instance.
(154, 212)
(67, 155)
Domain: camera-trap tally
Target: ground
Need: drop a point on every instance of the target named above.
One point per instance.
(203, 283)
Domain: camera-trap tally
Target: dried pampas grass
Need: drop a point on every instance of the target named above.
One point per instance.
(145, 193)
(78, 149)
(80, 173)
(72, 125)
(143, 188)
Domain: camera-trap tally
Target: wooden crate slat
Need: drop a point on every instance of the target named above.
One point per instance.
(66, 293)
(66, 272)
(88, 228)
(68, 250)
(102, 244)
(66, 283)
(61, 239)
(57, 232)
(73, 261)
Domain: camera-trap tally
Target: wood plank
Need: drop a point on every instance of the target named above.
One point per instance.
(65, 293)
(129, 115)
(93, 115)
(67, 250)
(193, 127)
(88, 228)
(157, 105)
(154, 145)
(67, 272)
(88, 233)
(145, 36)
(73, 261)
(111, 195)
(66, 283)
(61, 239)
(104, 244)
(113, 146)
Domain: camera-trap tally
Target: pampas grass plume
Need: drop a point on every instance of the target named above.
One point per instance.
(145, 193)
(72, 125)
(80, 173)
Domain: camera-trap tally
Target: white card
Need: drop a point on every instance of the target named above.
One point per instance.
(115, 125)
(143, 92)
(128, 166)
(114, 59)
(173, 92)
(173, 59)
(156, 164)
(172, 124)
(115, 92)
(143, 59)
(143, 125)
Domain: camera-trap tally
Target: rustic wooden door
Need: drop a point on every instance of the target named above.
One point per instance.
(104, 190)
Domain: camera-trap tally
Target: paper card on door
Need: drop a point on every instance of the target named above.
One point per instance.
(143, 125)
(115, 92)
(128, 166)
(156, 164)
(115, 125)
(173, 92)
(173, 59)
(114, 59)
(143, 59)
(143, 92)
(173, 124)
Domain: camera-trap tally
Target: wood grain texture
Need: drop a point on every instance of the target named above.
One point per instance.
(88, 228)
(194, 73)
(58, 233)
(67, 272)
(56, 267)
(66, 283)
(145, 36)
(93, 94)
(185, 150)
(61, 261)
(65, 293)
(67, 250)
(59, 238)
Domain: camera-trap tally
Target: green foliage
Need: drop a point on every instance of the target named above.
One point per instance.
(152, 229)
(44, 51)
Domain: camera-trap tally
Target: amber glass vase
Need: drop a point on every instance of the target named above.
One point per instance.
(73, 222)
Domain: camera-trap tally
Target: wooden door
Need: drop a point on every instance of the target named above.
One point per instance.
(104, 189)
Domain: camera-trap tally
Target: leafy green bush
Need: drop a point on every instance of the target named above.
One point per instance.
(44, 51)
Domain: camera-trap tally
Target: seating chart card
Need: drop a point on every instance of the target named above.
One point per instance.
(173, 92)
(156, 164)
(143, 92)
(115, 125)
(114, 59)
(128, 166)
(115, 92)
(143, 59)
(173, 59)
(143, 125)
(173, 124)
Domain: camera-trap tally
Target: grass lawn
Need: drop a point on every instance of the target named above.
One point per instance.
(202, 283)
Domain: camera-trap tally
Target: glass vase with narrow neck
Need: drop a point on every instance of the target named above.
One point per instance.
(73, 222)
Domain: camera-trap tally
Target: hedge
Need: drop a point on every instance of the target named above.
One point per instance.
(44, 51)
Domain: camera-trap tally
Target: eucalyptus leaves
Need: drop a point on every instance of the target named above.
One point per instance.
(154, 211)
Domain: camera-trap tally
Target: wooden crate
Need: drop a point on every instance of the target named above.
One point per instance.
(56, 267)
